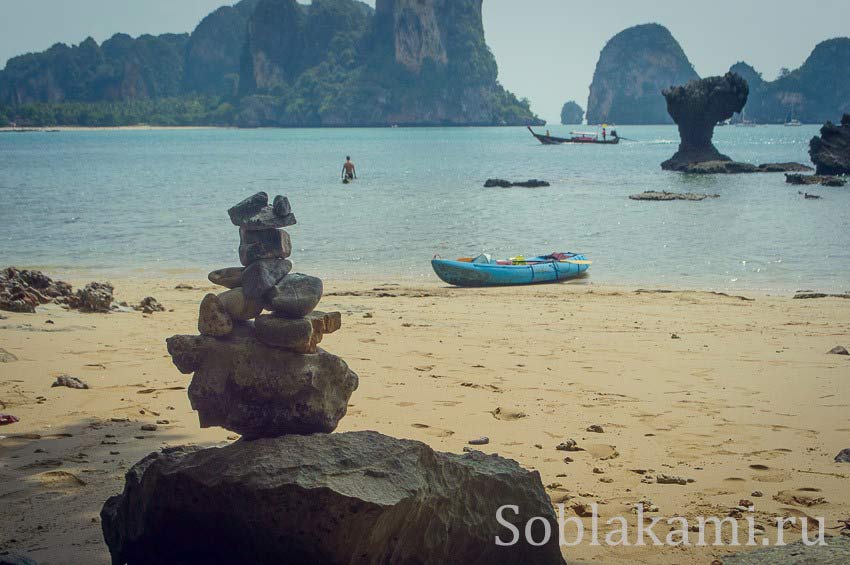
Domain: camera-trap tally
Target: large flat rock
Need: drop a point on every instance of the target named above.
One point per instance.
(358, 497)
(260, 391)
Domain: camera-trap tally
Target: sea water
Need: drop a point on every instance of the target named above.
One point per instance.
(150, 203)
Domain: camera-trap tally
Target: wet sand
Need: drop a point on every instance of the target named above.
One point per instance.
(744, 398)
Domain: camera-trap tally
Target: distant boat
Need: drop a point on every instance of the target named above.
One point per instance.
(483, 271)
(793, 123)
(577, 137)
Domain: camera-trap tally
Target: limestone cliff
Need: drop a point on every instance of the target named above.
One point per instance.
(123, 68)
(572, 113)
(816, 92)
(633, 69)
(214, 50)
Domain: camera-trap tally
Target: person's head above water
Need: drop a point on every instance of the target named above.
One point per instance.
(347, 158)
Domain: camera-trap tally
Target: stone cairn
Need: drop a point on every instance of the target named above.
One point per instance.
(290, 491)
(263, 375)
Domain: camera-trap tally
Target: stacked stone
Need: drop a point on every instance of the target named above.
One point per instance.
(263, 375)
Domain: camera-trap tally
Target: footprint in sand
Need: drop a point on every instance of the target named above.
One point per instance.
(508, 414)
(436, 432)
(767, 475)
(601, 451)
(60, 479)
(806, 496)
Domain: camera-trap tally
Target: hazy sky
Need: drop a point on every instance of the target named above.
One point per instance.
(546, 49)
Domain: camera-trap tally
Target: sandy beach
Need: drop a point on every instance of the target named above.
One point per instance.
(736, 393)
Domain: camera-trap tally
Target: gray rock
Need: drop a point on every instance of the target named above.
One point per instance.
(296, 295)
(663, 479)
(69, 382)
(213, 319)
(228, 278)
(6, 357)
(12, 558)
(256, 245)
(666, 196)
(835, 552)
(261, 276)
(260, 391)
(239, 308)
(824, 180)
(830, 151)
(149, 305)
(248, 208)
(94, 297)
(843, 456)
(281, 206)
(357, 497)
(301, 335)
(838, 350)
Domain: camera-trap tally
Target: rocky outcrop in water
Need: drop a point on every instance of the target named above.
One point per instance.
(357, 497)
(572, 114)
(288, 491)
(633, 69)
(501, 183)
(668, 196)
(798, 179)
(830, 152)
(696, 108)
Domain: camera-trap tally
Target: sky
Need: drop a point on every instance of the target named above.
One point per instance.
(546, 49)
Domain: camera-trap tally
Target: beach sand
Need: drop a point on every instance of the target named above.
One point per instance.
(746, 399)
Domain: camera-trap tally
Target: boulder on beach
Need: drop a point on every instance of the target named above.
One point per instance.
(696, 108)
(260, 391)
(357, 497)
(830, 152)
(94, 297)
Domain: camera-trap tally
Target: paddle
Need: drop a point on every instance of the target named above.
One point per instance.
(577, 261)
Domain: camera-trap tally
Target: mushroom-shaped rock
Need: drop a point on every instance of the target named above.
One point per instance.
(356, 497)
(696, 108)
(259, 391)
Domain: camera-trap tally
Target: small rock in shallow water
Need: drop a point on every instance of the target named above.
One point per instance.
(213, 319)
(838, 350)
(483, 440)
(843, 456)
(70, 382)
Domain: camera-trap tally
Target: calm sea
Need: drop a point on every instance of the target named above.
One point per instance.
(154, 203)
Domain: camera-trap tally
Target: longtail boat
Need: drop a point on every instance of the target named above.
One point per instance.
(577, 137)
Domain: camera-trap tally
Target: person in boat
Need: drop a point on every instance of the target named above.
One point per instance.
(349, 172)
(614, 134)
(547, 133)
(604, 133)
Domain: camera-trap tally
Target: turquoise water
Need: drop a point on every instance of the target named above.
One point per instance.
(154, 202)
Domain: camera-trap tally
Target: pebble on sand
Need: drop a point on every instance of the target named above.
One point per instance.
(69, 382)
(569, 445)
(843, 456)
(838, 350)
(596, 429)
(483, 440)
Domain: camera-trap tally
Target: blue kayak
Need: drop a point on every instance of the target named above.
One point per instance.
(482, 271)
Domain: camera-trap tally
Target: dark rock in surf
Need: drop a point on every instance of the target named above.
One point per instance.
(259, 391)
(296, 295)
(798, 179)
(696, 108)
(501, 183)
(338, 498)
(831, 151)
(262, 275)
